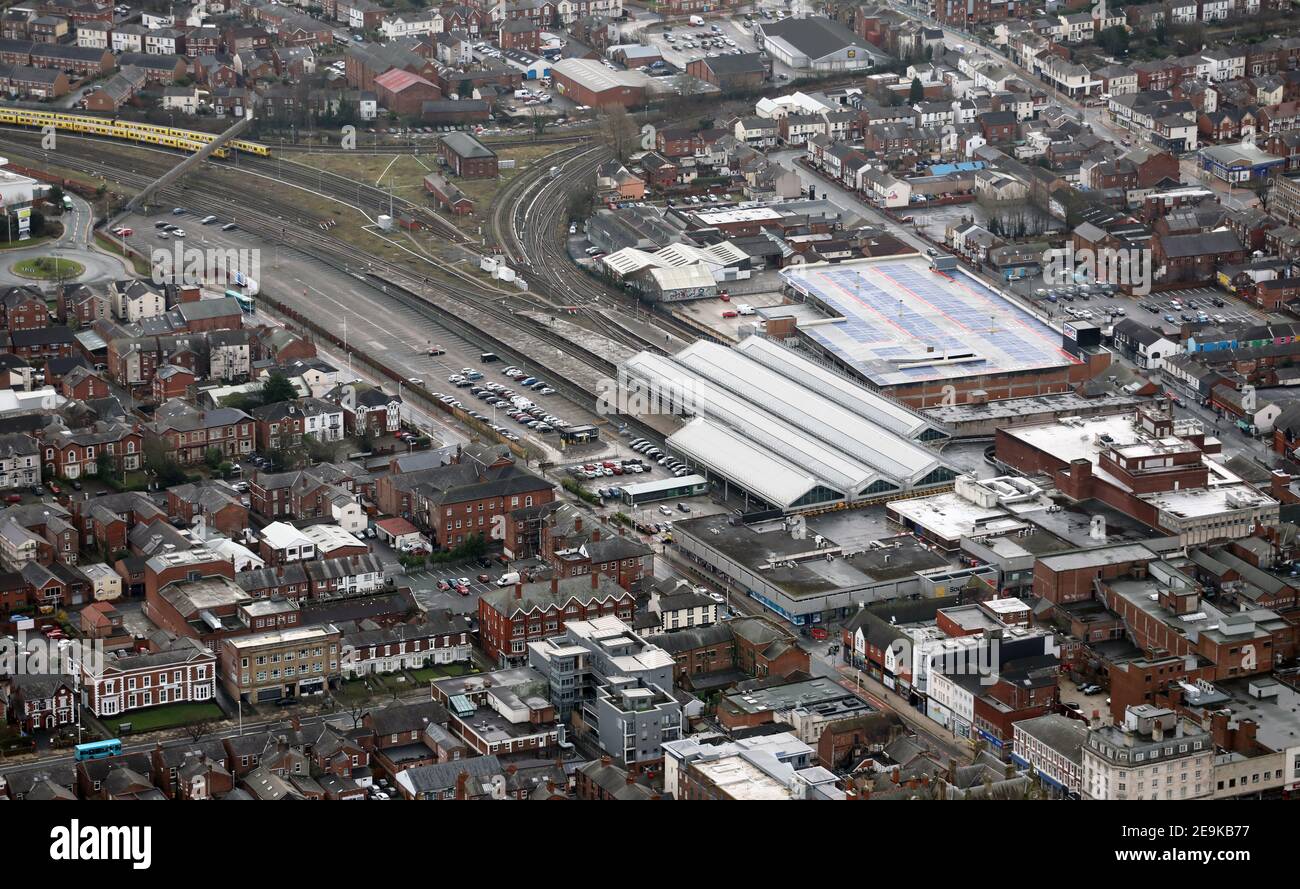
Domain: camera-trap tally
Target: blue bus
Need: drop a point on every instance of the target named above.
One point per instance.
(246, 302)
(97, 750)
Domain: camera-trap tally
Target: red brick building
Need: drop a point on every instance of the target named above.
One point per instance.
(83, 384)
(467, 157)
(513, 616)
(40, 702)
(23, 308)
(80, 453)
(405, 93)
(184, 672)
(187, 433)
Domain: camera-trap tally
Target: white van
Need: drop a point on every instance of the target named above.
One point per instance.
(744, 309)
(697, 21)
(510, 577)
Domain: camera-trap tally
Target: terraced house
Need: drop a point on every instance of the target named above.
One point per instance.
(437, 640)
(20, 465)
(187, 432)
(78, 454)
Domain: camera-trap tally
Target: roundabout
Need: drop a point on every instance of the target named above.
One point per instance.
(48, 268)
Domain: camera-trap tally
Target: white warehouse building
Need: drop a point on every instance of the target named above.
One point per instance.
(818, 44)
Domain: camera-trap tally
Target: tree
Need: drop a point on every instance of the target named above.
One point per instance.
(105, 465)
(157, 460)
(318, 451)
(197, 731)
(917, 93)
(618, 131)
(580, 198)
(1114, 40)
(212, 457)
(277, 388)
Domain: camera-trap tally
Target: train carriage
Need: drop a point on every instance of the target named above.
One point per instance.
(130, 131)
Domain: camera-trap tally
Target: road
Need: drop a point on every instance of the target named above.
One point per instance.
(75, 243)
(235, 729)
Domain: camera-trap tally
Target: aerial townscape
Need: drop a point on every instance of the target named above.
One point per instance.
(655, 400)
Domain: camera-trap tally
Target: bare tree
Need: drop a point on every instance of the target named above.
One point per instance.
(197, 731)
(618, 131)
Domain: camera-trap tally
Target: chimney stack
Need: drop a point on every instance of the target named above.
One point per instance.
(519, 591)
(577, 524)
(555, 584)
(595, 580)
(462, 780)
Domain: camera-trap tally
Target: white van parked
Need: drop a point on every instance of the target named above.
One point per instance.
(510, 577)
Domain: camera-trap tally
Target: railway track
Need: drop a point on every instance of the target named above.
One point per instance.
(529, 223)
(452, 305)
(262, 216)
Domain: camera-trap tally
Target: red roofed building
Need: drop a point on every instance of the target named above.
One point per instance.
(403, 92)
(398, 533)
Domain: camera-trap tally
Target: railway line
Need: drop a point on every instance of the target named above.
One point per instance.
(262, 217)
(529, 221)
(450, 304)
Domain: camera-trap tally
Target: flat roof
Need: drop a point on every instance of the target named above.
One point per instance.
(899, 322)
(1198, 502)
(951, 516)
(1013, 408)
(636, 489)
(1076, 438)
(1098, 557)
(799, 568)
(809, 693)
(282, 637)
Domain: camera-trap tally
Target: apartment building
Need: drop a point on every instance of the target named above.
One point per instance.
(289, 663)
(1151, 755)
(619, 682)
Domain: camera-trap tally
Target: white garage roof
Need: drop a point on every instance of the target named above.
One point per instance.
(596, 77)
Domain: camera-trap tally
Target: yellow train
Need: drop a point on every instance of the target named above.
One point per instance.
(130, 131)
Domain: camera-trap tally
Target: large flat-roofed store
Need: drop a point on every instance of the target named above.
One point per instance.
(928, 337)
